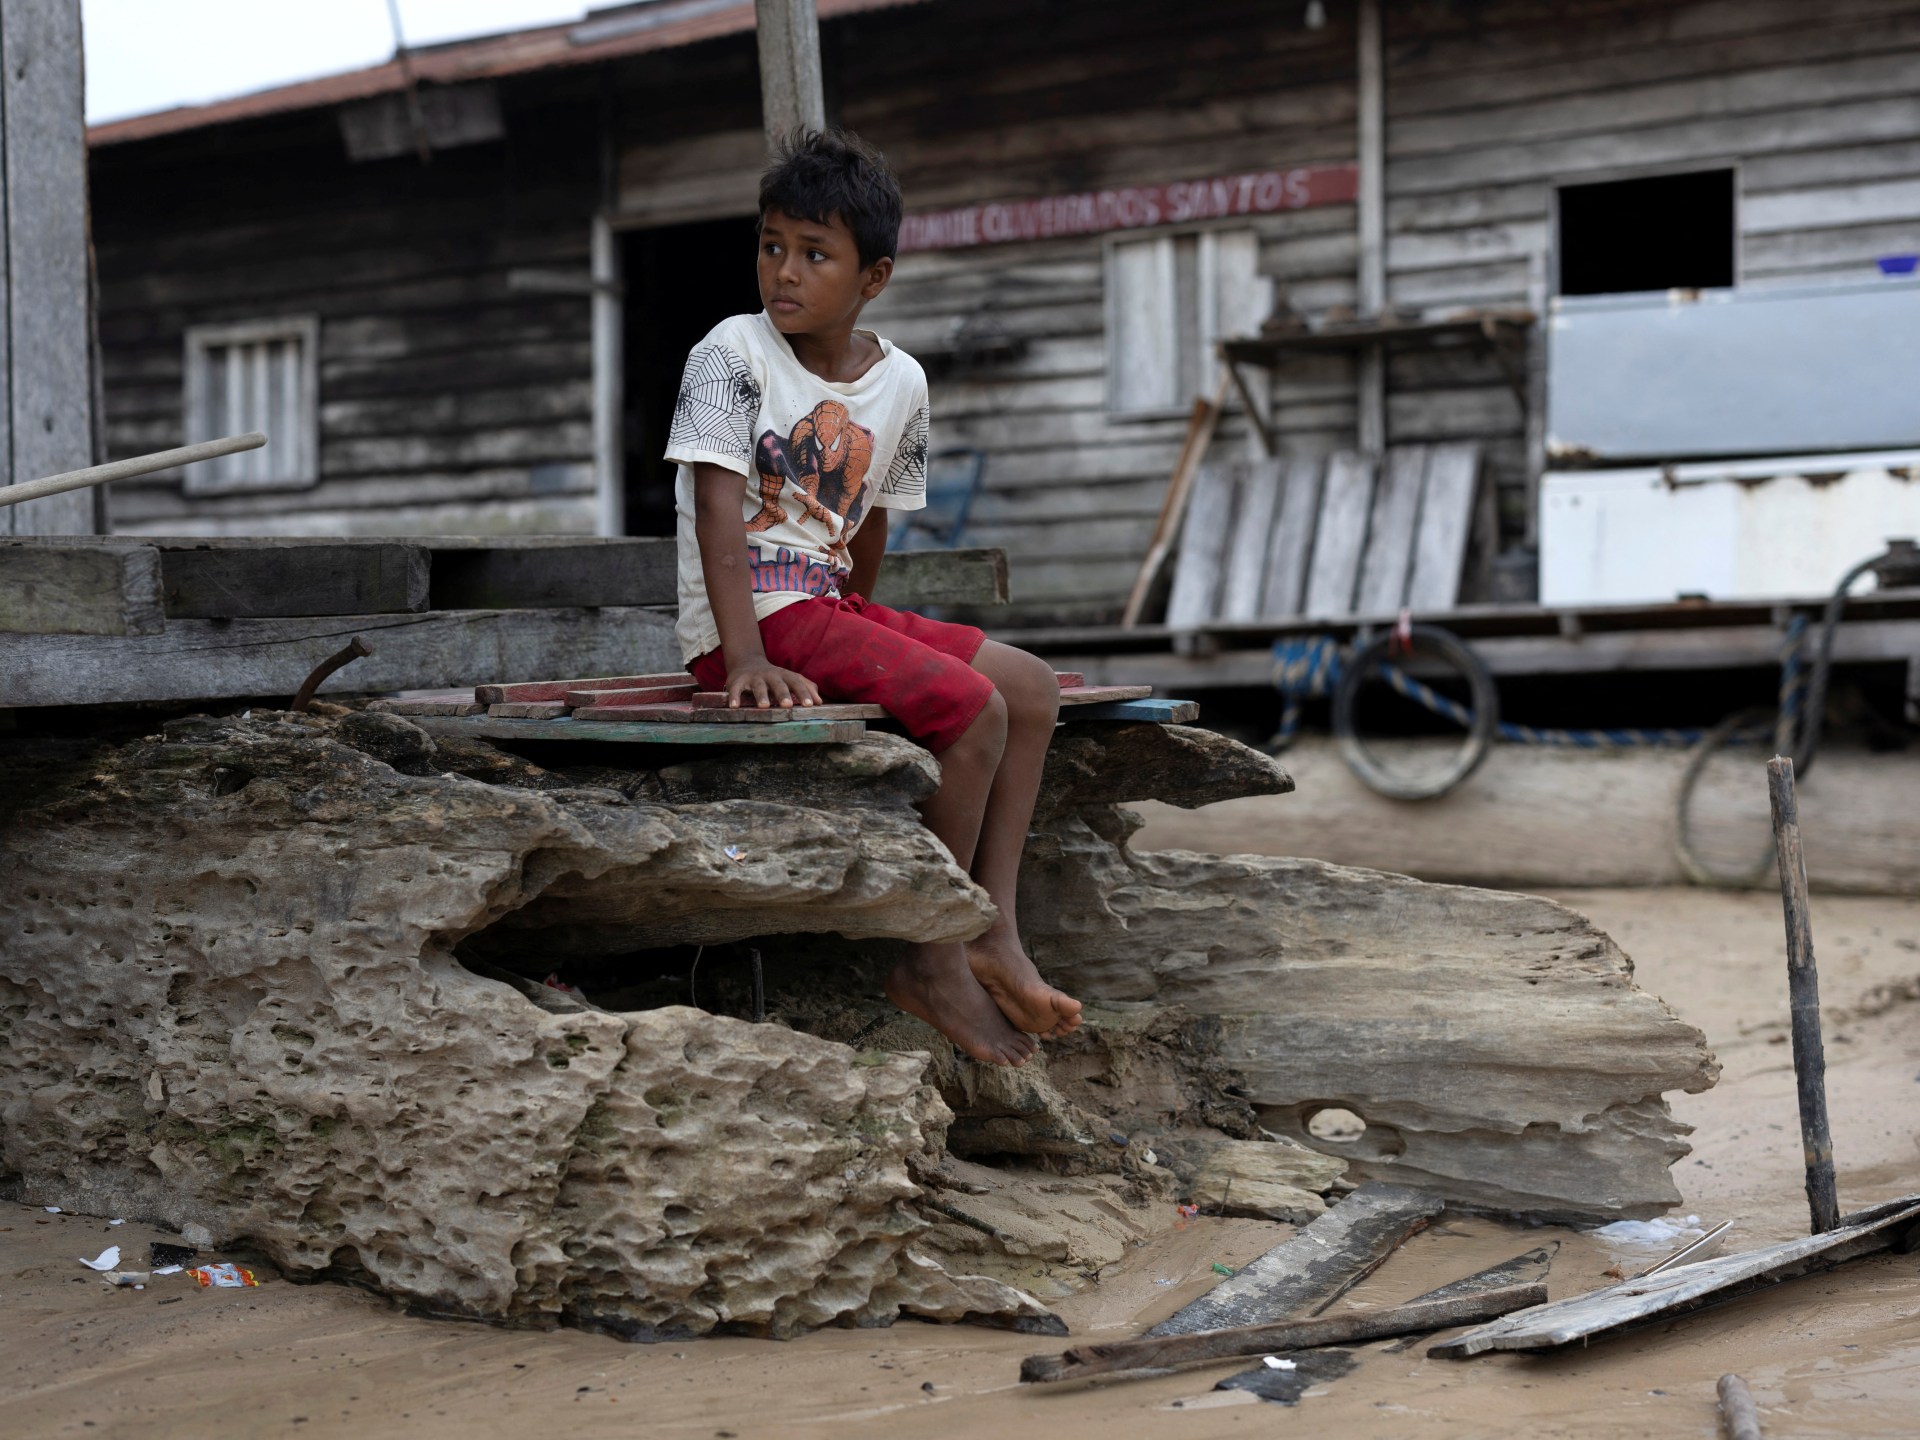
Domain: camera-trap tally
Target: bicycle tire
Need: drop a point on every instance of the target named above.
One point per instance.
(1480, 734)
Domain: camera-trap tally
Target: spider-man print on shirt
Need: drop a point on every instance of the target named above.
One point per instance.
(825, 459)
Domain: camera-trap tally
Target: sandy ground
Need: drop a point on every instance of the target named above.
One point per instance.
(1832, 1355)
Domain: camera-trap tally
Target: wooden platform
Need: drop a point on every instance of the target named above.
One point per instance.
(1880, 625)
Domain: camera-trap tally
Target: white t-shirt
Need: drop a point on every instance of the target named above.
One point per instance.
(814, 454)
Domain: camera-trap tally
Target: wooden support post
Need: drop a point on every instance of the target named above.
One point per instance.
(791, 94)
(46, 350)
(609, 383)
(1737, 1409)
(1803, 987)
(1371, 215)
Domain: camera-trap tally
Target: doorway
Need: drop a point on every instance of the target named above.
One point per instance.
(681, 281)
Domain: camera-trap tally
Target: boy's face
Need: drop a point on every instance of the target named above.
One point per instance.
(811, 278)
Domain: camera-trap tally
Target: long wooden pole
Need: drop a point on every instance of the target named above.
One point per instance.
(131, 466)
(1370, 213)
(1803, 990)
(1161, 1352)
(792, 96)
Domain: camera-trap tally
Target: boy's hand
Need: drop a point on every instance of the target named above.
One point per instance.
(761, 685)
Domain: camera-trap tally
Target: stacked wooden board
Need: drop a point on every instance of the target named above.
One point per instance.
(1326, 536)
(670, 708)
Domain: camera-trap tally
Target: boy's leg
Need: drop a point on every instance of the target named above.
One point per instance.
(851, 657)
(937, 981)
(998, 959)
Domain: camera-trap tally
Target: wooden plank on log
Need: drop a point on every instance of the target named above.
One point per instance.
(685, 713)
(818, 732)
(1245, 586)
(910, 579)
(1155, 1353)
(267, 580)
(560, 689)
(267, 659)
(1446, 519)
(525, 710)
(589, 573)
(589, 695)
(1103, 694)
(47, 590)
(1200, 564)
(1688, 1287)
(1387, 567)
(1340, 534)
(1307, 1273)
(1155, 712)
(458, 703)
(1292, 539)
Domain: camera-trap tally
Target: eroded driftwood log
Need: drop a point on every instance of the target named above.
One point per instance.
(1494, 1044)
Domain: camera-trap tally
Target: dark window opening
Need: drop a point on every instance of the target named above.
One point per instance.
(681, 281)
(1662, 232)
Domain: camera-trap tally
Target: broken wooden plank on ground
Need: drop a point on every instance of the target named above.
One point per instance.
(1156, 1353)
(227, 582)
(913, 578)
(799, 732)
(1523, 1269)
(91, 590)
(1307, 1273)
(1687, 1288)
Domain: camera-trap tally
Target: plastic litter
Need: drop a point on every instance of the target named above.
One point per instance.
(1220, 1269)
(167, 1270)
(160, 1253)
(1150, 1157)
(109, 1259)
(224, 1276)
(1274, 1362)
(1662, 1231)
(126, 1279)
(116, 1222)
(51, 1209)
(1188, 1211)
(734, 853)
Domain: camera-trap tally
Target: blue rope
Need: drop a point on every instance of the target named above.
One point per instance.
(1308, 668)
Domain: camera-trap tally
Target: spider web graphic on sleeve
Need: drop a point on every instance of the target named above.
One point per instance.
(907, 476)
(719, 400)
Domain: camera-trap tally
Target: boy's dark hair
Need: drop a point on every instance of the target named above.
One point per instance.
(818, 174)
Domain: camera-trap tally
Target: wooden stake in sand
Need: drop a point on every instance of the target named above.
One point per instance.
(1803, 988)
(1737, 1409)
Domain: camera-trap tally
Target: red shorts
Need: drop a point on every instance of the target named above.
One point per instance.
(919, 670)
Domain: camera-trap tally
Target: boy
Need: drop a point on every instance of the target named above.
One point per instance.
(795, 434)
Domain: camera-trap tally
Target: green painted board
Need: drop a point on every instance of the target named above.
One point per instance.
(634, 732)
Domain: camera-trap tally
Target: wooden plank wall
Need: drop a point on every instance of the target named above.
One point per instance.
(1490, 105)
(450, 402)
(1061, 98)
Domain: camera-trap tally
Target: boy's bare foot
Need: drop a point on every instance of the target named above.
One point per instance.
(1000, 964)
(935, 983)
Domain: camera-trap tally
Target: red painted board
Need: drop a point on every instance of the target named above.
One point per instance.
(637, 695)
(557, 689)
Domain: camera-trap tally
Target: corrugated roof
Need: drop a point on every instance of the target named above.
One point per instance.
(604, 35)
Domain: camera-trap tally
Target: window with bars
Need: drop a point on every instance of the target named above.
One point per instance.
(1169, 299)
(258, 375)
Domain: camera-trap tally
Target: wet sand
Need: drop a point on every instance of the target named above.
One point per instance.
(1831, 1355)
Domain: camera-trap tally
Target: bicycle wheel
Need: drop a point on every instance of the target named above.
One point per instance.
(1461, 692)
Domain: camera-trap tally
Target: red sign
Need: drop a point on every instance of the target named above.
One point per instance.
(1129, 207)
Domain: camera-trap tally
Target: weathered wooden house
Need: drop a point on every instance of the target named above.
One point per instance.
(457, 290)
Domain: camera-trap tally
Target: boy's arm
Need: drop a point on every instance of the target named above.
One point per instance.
(721, 531)
(864, 553)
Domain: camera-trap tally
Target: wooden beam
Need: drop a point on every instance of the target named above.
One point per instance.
(262, 579)
(791, 95)
(1371, 217)
(943, 577)
(267, 659)
(95, 590)
(1156, 1354)
(609, 381)
(591, 572)
(48, 351)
